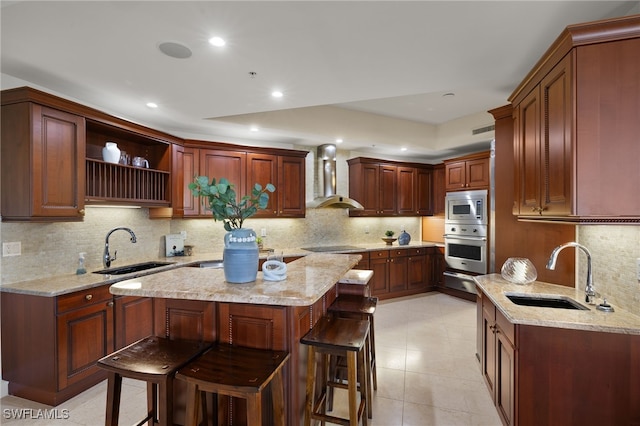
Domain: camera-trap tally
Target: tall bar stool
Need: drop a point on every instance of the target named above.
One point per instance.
(347, 338)
(360, 307)
(153, 360)
(236, 372)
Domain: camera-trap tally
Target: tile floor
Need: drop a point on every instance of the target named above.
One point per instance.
(427, 374)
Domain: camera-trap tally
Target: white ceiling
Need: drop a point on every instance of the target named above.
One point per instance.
(371, 72)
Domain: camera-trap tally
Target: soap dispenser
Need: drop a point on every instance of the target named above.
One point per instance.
(81, 269)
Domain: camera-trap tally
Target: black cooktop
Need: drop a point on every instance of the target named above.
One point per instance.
(330, 248)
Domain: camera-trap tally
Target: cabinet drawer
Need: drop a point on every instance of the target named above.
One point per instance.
(83, 298)
(417, 251)
(379, 254)
(507, 328)
(398, 252)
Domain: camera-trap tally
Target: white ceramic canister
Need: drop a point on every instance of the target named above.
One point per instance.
(111, 153)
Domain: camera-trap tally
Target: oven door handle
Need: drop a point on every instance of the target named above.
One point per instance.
(457, 275)
(464, 237)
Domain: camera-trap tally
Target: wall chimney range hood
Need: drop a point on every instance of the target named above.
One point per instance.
(326, 161)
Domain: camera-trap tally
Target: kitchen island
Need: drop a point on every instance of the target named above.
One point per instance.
(196, 303)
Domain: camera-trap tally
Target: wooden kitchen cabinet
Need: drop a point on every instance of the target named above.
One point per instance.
(50, 344)
(399, 271)
(133, 319)
(439, 190)
(43, 161)
(419, 263)
(575, 132)
(547, 375)
(390, 188)
(185, 319)
(468, 172)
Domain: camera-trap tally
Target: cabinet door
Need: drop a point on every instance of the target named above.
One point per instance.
(505, 378)
(477, 173)
(380, 281)
(388, 190)
(231, 165)
(556, 146)
(439, 191)
(368, 191)
(191, 168)
(418, 273)
(455, 176)
(398, 273)
(84, 336)
(528, 149)
(133, 319)
(424, 194)
(407, 184)
(185, 319)
(262, 169)
(488, 355)
(291, 187)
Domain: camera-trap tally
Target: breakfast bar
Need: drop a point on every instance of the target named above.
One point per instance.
(197, 303)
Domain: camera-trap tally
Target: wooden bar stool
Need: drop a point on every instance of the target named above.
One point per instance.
(153, 360)
(360, 307)
(333, 336)
(237, 372)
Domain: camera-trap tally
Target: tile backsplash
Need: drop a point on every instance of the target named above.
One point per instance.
(52, 248)
(614, 250)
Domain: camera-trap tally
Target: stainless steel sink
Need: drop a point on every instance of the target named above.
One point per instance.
(132, 268)
(211, 264)
(556, 302)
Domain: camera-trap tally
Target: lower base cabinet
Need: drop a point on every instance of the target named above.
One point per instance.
(401, 271)
(545, 375)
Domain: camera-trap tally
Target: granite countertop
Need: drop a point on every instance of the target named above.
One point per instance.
(496, 288)
(308, 278)
(69, 283)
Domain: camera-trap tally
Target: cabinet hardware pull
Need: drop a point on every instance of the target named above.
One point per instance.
(81, 212)
(88, 297)
(110, 304)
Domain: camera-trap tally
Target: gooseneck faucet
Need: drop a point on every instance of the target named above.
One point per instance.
(106, 258)
(589, 290)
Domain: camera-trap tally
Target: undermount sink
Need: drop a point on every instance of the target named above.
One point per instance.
(558, 302)
(132, 268)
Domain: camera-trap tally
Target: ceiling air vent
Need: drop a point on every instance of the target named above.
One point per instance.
(483, 130)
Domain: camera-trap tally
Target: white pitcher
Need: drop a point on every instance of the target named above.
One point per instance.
(111, 153)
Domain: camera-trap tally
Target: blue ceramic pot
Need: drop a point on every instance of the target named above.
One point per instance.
(404, 238)
(240, 256)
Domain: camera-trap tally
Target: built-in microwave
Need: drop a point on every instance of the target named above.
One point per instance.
(468, 207)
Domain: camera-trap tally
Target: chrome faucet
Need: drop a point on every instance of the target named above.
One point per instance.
(589, 290)
(106, 258)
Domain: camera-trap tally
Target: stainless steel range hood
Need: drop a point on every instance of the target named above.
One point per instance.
(326, 163)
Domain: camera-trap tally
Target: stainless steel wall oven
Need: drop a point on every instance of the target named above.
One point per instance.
(465, 238)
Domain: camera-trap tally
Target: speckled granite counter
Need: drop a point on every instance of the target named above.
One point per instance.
(496, 289)
(308, 278)
(63, 284)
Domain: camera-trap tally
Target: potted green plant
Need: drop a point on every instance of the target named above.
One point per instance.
(389, 237)
(241, 253)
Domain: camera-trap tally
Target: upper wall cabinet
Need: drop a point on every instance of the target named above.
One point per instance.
(469, 172)
(576, 127)
(43, 152)
(244, 167)
(388, 188)
(52, 159)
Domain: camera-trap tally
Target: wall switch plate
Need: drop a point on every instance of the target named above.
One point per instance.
(366, 229)
(263, 232)
(184, 234)
(12, 249)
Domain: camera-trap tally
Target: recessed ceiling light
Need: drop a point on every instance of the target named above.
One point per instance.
(403, 149)
(175, 50)
(338, 140)
(449, 95)
(254, 128)
(152, 105)
(217, 41)
(277, 94)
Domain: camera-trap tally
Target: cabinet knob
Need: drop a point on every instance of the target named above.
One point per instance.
(81, 212)
(110, 304)
(88, 297)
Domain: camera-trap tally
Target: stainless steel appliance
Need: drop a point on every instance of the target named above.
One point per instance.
(465, 238)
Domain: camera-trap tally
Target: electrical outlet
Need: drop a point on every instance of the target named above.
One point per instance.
(638, 268)
(366, 229)
(184, 234)
(263, 232)
(12, 249)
